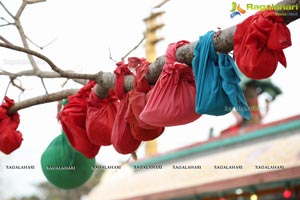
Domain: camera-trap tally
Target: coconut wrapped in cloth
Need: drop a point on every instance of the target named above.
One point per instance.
(65, 167)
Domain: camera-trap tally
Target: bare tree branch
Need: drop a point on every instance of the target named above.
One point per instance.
(40, 74)
(8, 24)
(38, 46)
(135, 47)
(41, 100)
(6, 73)
(4, 40)
(20, 11)
(44, 86)
(16, 85)
(161, 4)
(110, 56)
(34, 1)
(25, 43)
(6, 89)
(63, 73)
(7, 11)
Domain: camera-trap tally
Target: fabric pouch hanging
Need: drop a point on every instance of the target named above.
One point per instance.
(10, 137)
(65, 167)
(217, 81)
(259, 42)
(73, 121)
(172, 99)
(122, 138)
(137, 99)
(101, 114)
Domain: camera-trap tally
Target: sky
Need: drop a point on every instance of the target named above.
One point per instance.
(82, 33)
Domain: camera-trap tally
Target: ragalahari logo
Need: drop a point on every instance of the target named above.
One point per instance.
(236, 10)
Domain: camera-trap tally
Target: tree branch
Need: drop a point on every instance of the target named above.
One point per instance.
(20, 11)
(134, 48)
(17, 86)
(7, 11)
(161, 4)
(41, 100)
(8, 24)
(63, 73)
(44, 85)
(38, 46)
(223, 42)
(25, 43)
(4, 40)
(34, 1)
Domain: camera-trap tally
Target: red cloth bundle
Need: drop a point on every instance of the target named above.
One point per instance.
(122, 138)
(73, 121)
(259, 42)
(172, 101)
(137, 99)
(10, 138)
(100, 118)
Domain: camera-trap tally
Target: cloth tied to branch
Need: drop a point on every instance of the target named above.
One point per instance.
(65, 167)
(217, 81)
(259, 42)
(137, 99)
(10, 137)
(73, 121)
(172, 100)
(122, 138)
(101, 114)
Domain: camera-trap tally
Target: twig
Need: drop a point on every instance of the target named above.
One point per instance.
(5, 20)
(64, 83)
(110, 57)
(4, 40)
(16, 85)
(38, 46)
(34, 1)
(8, 24)
(135, 47)
(8, 12)
(20, 11)
(25, 43)
(6, 90)
(43, 83)
(161, 4)
(133, 156)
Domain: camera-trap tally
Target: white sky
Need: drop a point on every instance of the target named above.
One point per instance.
(83, 31)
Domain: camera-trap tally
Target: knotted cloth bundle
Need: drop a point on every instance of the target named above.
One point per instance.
(65, 167)
(217, 81)
(101, 114)
(122, 138)
(137, 99)
(259, 42)
(73, 121)
(10, 137)
(172, 100)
